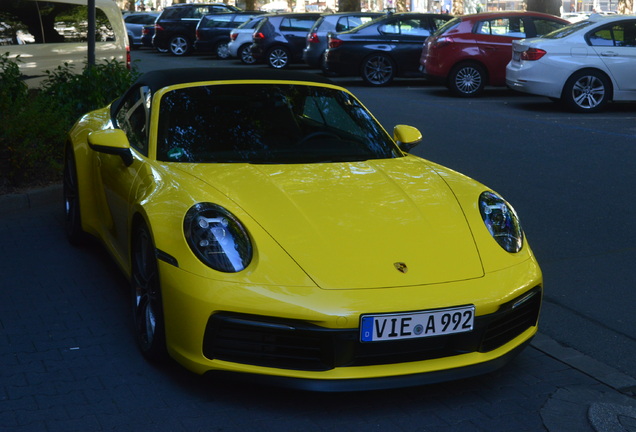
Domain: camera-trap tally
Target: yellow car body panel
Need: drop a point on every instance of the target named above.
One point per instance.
(331, 242)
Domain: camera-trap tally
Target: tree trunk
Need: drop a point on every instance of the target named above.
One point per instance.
(348, 5)
(625, 6)
(545, 6)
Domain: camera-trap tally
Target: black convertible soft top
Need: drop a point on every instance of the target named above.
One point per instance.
(159, 79)
(167, 77)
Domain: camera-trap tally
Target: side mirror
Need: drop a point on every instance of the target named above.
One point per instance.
(406, 137)
(111, 141)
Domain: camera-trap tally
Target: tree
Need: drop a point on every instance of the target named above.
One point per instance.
(348, 5)
(625, 6)
(545, 6)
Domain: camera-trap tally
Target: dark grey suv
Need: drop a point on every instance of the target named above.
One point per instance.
(280, 39)
(314, 51)
(175, 28)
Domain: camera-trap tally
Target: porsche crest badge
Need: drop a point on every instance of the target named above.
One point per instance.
(401, 267)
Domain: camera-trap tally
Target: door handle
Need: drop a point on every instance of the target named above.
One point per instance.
(609, 54)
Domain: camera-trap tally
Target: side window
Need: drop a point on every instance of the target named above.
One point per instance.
(602, 37)
(48, 22)
(285, 25)
(296, 24)
(625, 34)
(133, 116)
(391, 27)
(414, 27)
(546, 26)
(18, 22)
(510, 27)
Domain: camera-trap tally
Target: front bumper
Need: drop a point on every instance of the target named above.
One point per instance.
(310, 337)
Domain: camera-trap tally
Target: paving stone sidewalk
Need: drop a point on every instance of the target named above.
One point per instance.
(69, 363)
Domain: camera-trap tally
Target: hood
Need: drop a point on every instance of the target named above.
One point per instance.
(372, 224)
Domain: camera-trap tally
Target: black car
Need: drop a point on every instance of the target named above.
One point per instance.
(314, 51)
(213, 31)
(176, 26)
(382, 49)
(280, 39)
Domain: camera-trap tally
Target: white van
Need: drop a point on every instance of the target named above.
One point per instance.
(47, 34)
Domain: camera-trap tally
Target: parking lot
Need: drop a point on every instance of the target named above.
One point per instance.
(70, 361)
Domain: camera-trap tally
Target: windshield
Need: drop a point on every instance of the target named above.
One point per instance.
(268, 123)
(567, 30)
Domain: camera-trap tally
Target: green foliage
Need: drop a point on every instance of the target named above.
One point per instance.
(36, 123)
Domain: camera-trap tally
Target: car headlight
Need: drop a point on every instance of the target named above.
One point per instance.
(502, 221)
(217, 238)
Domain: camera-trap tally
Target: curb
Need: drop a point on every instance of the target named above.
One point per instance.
(31, 198)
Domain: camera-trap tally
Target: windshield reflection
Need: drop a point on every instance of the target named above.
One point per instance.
(268, 123)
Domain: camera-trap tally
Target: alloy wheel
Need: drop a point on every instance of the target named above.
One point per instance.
(378, 70)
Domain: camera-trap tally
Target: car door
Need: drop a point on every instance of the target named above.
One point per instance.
(294, 30)
(616, 46)
(116, 179)
(494, 38)
(406, 35)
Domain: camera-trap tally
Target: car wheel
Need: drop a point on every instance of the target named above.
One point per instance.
(179, 45)
(467, 80)
(378, 70)
(222, 51)
(70, 188)
(278, 58)
(587, 91)
(146, 297)
(245, 54)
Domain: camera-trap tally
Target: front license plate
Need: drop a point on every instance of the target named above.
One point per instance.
(375, 328)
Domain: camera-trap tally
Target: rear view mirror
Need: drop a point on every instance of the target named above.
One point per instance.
(111, 141)
(406, 137)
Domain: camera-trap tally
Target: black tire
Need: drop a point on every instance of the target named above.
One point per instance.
(147, 305)
(222, 51)
(245, 54)
(378, 70)
(179, 45)
(72, 211)
(587, 91)
(467, 80)
(278, 57)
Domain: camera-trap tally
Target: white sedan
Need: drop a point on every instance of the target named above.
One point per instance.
(584, 65)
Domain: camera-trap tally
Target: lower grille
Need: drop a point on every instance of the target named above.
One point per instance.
(290, 344)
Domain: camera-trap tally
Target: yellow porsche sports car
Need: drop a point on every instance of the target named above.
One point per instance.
(272, 229)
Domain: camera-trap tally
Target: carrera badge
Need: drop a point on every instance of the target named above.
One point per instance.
(401, 267)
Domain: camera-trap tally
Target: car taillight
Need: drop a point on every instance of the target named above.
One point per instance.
(145, 31)
(258, 36)
(335, 43)
(233, 36)
(441, 42)
(532, 54)
(312, 38)
(158, 28)
(128, 59)
(196, 34)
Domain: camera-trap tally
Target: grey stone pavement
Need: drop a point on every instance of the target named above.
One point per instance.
(68, 362)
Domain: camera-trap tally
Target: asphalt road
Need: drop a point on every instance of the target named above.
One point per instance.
(569, 176)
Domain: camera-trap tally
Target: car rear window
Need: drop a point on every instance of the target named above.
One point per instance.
(449, 25)
(567, 30)
(267, 123)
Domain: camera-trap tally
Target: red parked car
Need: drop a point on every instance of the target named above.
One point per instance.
(472, 51)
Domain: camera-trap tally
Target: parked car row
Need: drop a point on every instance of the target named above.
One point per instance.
(585, 64)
